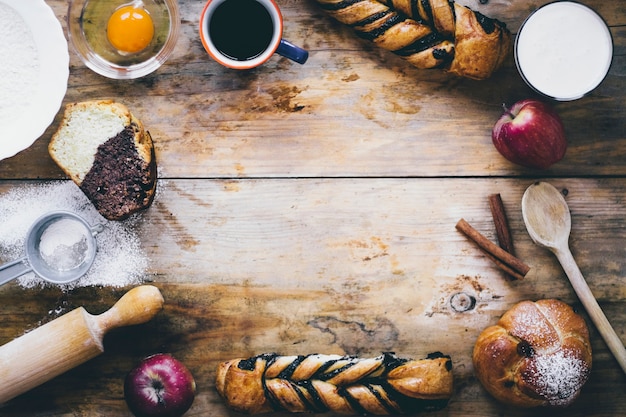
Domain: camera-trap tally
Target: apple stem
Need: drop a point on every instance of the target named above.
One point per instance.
(507, 111)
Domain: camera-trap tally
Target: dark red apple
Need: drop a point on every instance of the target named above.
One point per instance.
(159, 386)
(530, 134)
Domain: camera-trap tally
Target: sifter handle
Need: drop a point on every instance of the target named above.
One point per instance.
(12, 270)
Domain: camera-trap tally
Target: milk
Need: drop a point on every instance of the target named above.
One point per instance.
(564, 50)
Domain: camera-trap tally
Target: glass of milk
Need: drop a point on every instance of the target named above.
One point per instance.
(564, 50)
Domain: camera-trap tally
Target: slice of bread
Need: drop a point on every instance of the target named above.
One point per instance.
(107, 152)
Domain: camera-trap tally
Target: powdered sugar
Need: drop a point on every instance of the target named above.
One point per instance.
(19, 66)
(120, 259)
(559, 376)
(532, 325)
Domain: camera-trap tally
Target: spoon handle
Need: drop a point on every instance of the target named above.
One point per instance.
(585, 295)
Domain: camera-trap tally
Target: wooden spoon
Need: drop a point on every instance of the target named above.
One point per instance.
(548, 222)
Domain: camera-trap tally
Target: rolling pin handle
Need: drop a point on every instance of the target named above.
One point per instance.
(137, 306)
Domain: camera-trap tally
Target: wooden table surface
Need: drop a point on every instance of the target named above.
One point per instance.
(312, 209)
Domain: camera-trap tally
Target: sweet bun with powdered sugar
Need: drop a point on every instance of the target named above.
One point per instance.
(538, 354)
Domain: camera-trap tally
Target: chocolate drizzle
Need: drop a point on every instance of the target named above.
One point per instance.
(428, 10)
(371, 19)
(388, 20)
(488, 24)
(429, 41)
(339, 5)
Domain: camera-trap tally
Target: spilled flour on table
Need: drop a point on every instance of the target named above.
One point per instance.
(120, 259)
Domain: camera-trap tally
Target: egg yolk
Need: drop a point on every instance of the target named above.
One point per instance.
(130, 29)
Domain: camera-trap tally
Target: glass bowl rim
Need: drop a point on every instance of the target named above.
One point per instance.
(108, 69)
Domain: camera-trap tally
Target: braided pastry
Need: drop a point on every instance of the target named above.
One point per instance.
(342, 384)
(429, 33)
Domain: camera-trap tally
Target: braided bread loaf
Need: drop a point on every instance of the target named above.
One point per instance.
(348, 385)
(429, 33)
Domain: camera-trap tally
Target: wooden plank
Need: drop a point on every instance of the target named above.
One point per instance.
(354, 266)
(351, 110)
(312, 208)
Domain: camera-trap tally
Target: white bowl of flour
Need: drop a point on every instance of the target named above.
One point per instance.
(34, 70)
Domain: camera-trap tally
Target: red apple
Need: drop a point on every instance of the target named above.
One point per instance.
(530, 134)
(160, 386)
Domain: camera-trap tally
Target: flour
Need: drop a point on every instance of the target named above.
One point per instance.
(120, 259)
(63, 244)
(19, 65)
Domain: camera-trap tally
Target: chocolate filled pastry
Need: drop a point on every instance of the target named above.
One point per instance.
(538, 354)
(331, 383)
(429, 33)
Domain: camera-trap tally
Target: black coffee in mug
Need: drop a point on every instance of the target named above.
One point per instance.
(241, 29)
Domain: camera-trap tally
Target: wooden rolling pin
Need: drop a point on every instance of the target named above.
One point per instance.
(68, 341)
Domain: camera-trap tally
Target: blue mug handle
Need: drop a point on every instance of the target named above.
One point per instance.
(291, 51)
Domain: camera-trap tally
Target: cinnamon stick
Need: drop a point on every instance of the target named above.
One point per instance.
(503, 232)
(510, 264)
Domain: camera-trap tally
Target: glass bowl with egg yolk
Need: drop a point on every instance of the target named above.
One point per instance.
(123, 39)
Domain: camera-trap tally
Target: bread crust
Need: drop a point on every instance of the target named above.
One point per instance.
(538, 354)
(478, 53)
